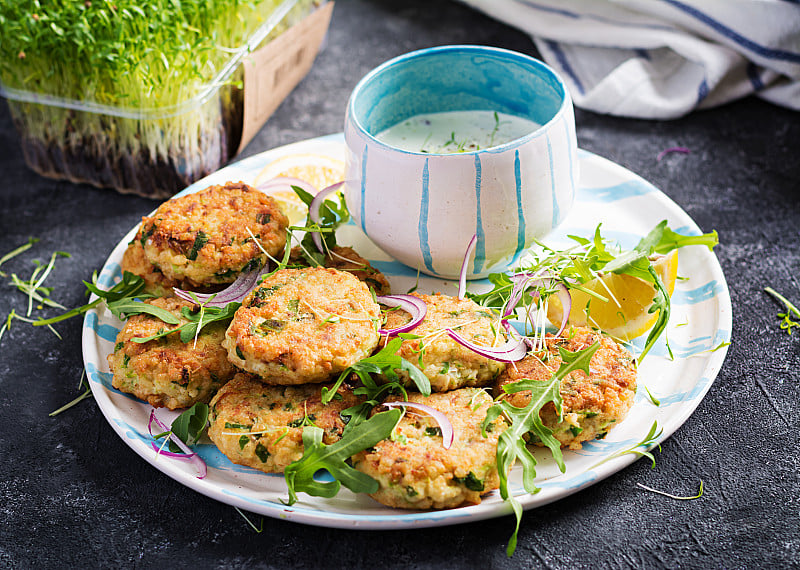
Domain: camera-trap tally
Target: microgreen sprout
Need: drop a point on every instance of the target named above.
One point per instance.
(649, 440)
(671, 496)
(653, 399)
(15, 252)
(787, 324)
(258, 529)
(86, 394)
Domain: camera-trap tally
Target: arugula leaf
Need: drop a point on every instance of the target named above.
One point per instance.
(127, 306)
(131, 286)
(190, 426)
(300, 474)
(384, 362)
(197, 321)
(511, 445)
(332, 215)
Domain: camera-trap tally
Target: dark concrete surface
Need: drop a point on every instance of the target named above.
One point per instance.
(72, 494)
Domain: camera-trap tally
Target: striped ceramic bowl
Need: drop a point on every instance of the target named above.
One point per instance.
(423, 208)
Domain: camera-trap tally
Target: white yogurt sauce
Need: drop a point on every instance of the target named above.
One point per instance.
(456, 131)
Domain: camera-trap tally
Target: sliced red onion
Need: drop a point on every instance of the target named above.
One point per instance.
(313, 212)
(462, 279)
(666, 151)
(566, 306)
(513, 350)
(412, 305)
(286, 182)
(441, 419)
(190, 455)
(236, 291)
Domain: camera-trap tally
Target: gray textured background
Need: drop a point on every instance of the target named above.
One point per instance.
(72, 493)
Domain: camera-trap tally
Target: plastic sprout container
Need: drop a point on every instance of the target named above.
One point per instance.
(145, 96)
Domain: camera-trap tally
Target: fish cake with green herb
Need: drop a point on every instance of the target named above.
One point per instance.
(303, 326)
(593, 403)
(447, 364)
(346, 259)
(209, 237)
(167, 372)
(413, 468)
(261, 425)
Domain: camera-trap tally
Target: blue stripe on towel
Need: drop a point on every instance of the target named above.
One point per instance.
(754, 77)
(565, 65)
(424, 203)
(732, 34)
(480, 247)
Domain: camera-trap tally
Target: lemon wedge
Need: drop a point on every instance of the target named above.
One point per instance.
(624, 315)
(318, 170)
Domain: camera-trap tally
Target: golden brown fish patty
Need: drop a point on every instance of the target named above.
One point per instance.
(166, 372)
(447, 364)
(415, 471)
(261, 425)
(303, 325)
(592, 404)
(210, 237)
(346, 259)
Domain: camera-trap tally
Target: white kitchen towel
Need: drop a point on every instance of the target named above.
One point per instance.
(661, 59)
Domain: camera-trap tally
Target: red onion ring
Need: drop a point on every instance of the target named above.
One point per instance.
(313, 212)
(236, 291)
(666, 151)
(414, 306)
(199, 464)
(513, 350)
(286, 182)
(444, 424)
(462, 279)
(566, 306)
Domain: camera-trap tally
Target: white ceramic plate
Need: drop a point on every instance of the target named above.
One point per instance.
(628, 207)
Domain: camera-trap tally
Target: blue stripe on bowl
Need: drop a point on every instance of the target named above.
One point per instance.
(520, 211)
(424, 205)
(480, 247)
(364, 190)
(556, 213)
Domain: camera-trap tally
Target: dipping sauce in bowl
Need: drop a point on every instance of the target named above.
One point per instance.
(456, 131)
(452, 142)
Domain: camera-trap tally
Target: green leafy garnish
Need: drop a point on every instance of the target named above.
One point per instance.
(189, 427)
(197, 320)
(258, 529)
(130, 286)
(787, 324)
(332, 214)
(333, 458)
(511, 444)
(384, 362)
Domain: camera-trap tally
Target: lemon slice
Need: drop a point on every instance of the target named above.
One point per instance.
(318, 170)
(624, 315)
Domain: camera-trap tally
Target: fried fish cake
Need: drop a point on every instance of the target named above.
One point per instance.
(447, 364)
(166, 372)
(415, 471)
(346, 259)
(593, 403)
(210, 237)
(303, 325)
(261, 425)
